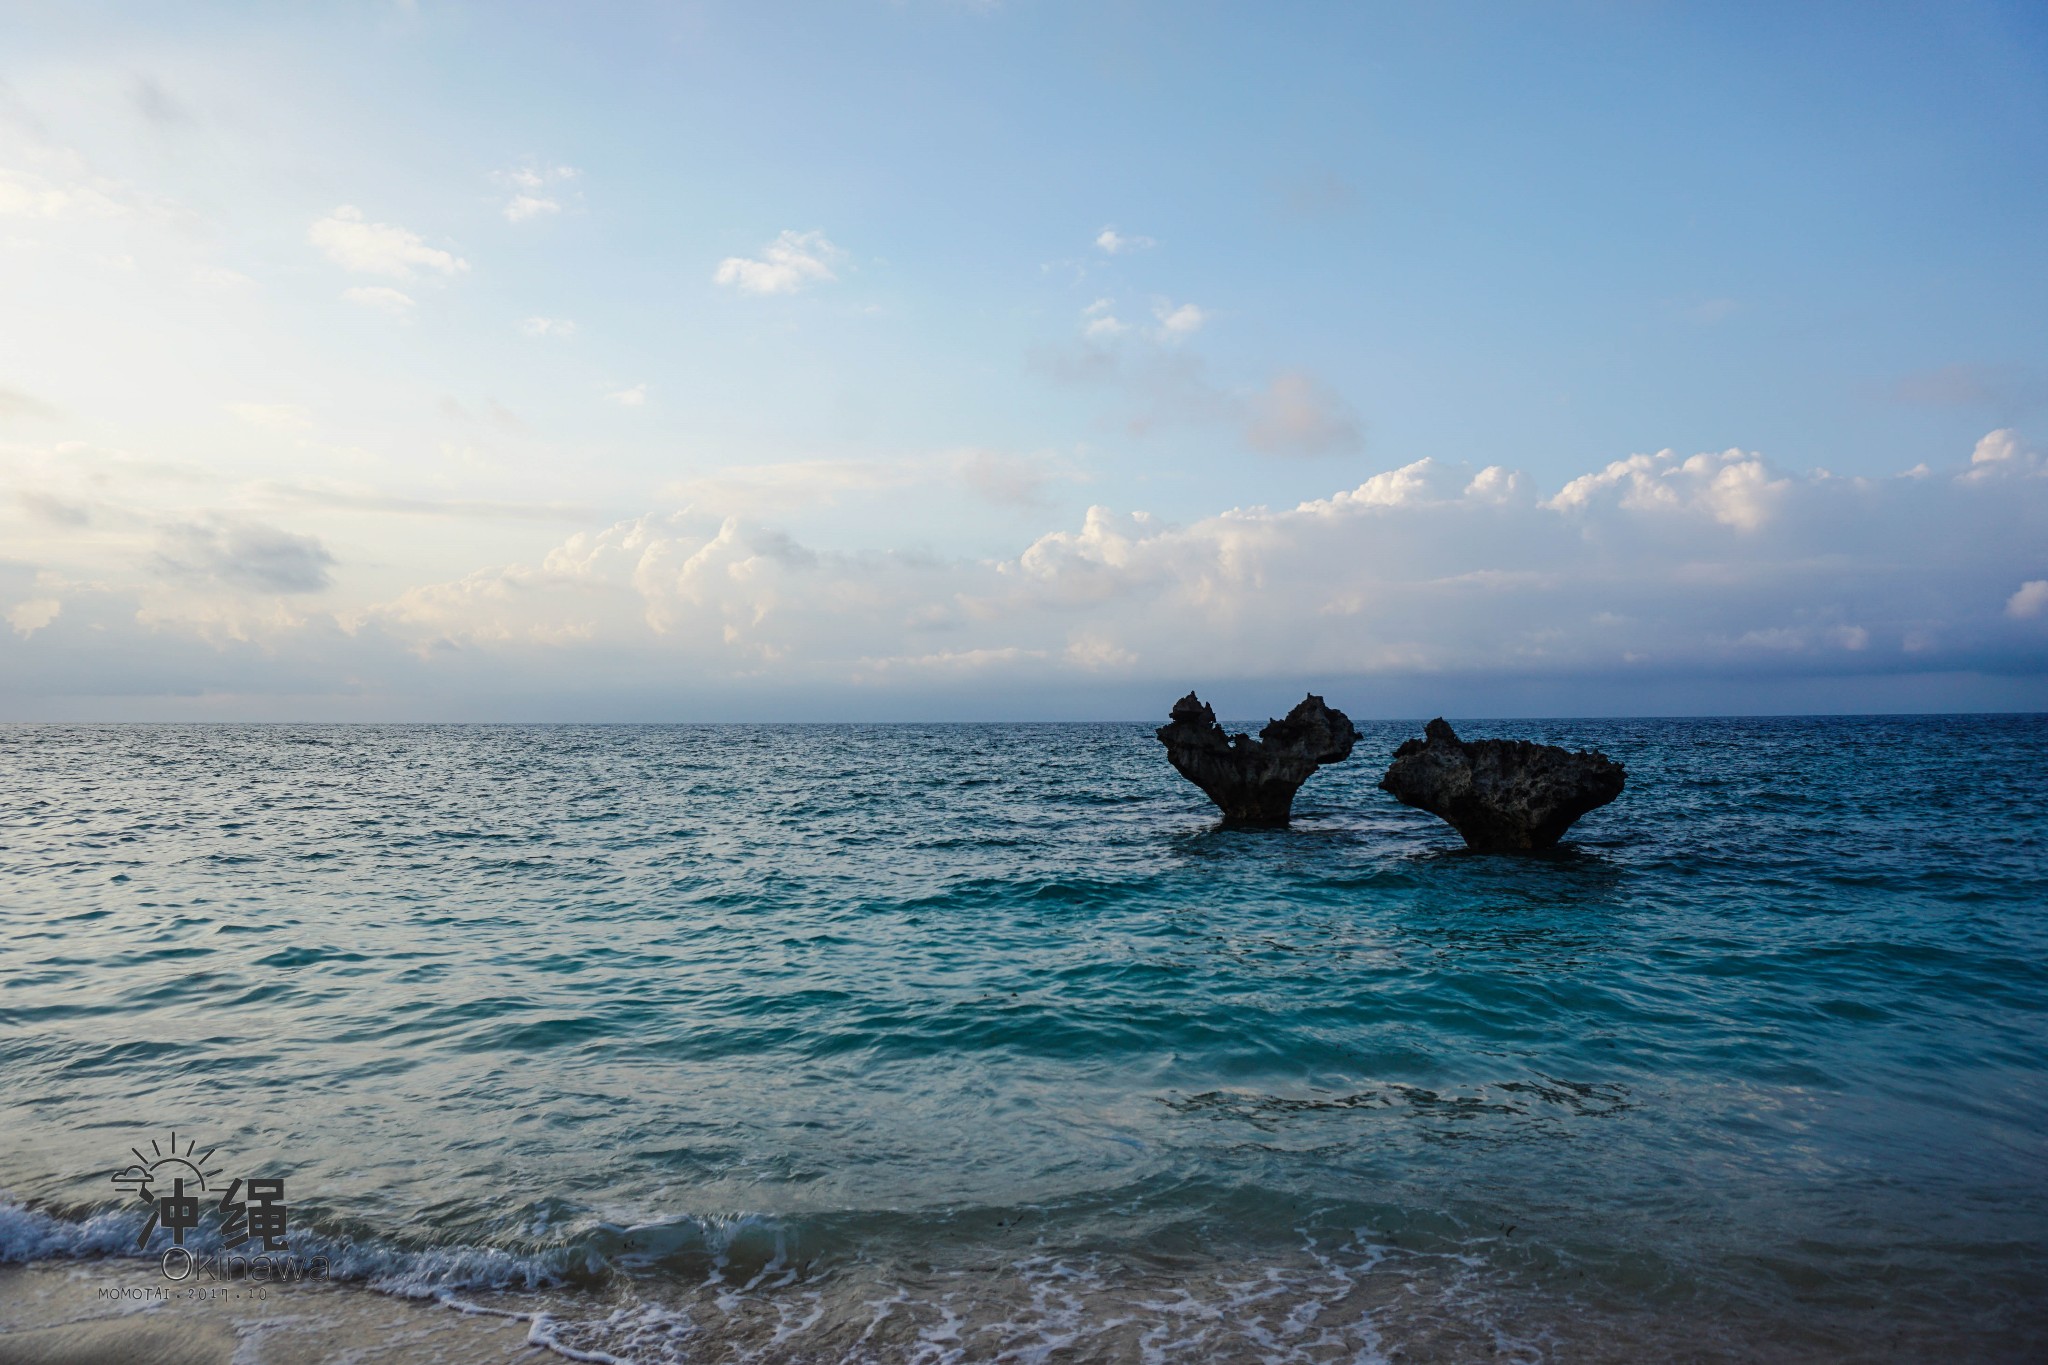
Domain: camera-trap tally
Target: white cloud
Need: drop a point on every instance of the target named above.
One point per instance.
(789, 263)
(1118, 243)
(1652, 566)
(2000, 455)
(55, 182)
(1095, 652)
(31, 616)
(1100, 322)
(628, 398)
(536, 188)
(1732, 487)
(354, 243)
(1427, 566)
(1297, 416)
(548, 327)
(1495, 484)
(381, 297)
(1848, 637)
(1178, 323)
(524, 206)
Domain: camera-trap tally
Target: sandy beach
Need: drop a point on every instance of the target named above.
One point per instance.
(101, 1313)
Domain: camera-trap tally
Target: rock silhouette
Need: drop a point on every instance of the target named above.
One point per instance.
(1503, 795)
(1254, 780)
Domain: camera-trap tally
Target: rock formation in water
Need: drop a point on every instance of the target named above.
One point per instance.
(1503, 795)
(1254, 780)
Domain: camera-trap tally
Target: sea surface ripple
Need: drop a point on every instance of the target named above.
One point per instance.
(724, 1035)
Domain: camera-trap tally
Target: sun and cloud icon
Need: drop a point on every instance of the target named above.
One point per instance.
(165, 1167)
(183, 1173)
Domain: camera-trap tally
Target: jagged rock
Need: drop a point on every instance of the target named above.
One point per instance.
(1254, 780)
(1503, 795)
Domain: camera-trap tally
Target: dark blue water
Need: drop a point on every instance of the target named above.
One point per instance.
(984, 1042)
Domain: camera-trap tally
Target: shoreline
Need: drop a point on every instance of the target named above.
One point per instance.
(58, 1313)
(1074, 1309)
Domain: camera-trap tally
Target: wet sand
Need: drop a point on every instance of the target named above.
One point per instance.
(68, 1314)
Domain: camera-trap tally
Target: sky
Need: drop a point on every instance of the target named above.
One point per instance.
(919, 359)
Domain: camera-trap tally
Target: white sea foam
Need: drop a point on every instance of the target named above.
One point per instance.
(1356, 1302)
(28, 1234)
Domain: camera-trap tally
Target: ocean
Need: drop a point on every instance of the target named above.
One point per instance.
(984, 1042)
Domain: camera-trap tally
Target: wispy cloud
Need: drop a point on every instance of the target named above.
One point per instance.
(31, 616)
(243, 554)
(1119, 243)
(1100, 322)
(156, 104)
(1178, 321)
(328, 494)
(381, 297)
(1296, 415)
(273, 416)
(537, 190)
(15, 403)
(354, 243)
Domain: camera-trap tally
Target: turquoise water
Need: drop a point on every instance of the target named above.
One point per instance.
(984, 1042)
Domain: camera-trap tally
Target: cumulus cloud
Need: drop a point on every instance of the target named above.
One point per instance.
(381, 297)
(354, 243)
(2000, 455)
(1734, 488)
(244, 554)
(1119, 243)
(1295, 415)
(2030, 601)
(793, 261)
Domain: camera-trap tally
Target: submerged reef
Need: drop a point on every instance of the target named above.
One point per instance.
(1503, 795)
(1254, 780)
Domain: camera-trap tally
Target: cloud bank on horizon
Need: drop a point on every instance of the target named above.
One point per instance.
(292, 423)
(1716, 564)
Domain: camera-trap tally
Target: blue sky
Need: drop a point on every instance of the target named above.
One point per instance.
(899, 359)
